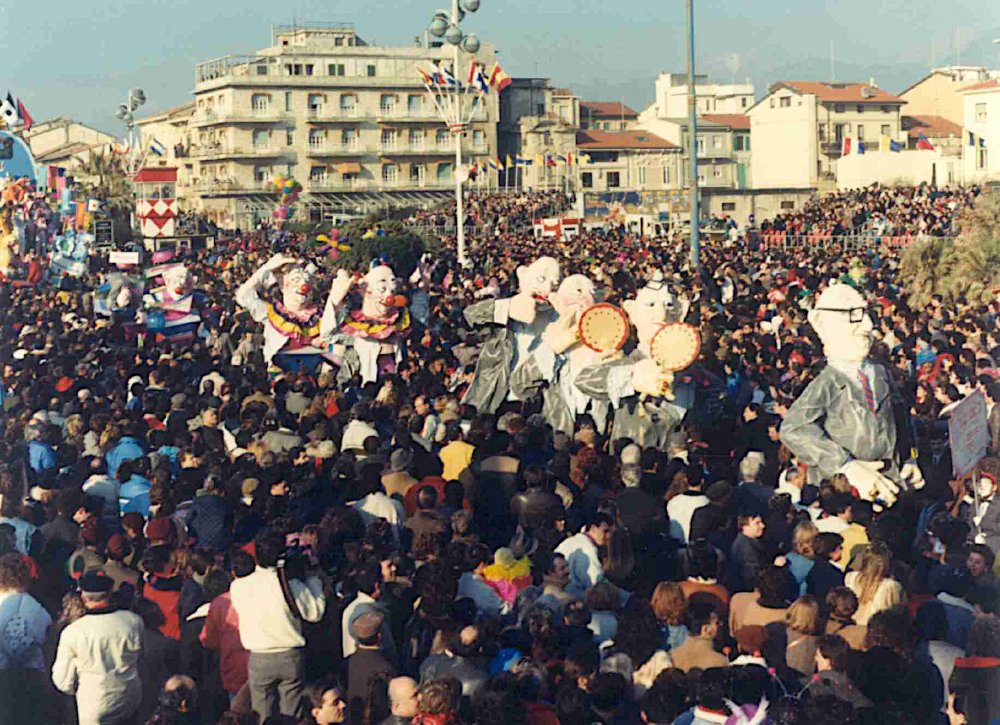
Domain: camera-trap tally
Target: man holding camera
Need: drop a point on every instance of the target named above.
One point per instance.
(271, 609)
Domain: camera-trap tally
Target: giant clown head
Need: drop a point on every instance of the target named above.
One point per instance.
(296, 288)
(654, 306)
(539, 278)
(841, 320)
(176, 281)
(575, 292)
(380, 292)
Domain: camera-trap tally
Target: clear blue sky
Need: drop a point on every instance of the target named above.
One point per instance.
(77, 58)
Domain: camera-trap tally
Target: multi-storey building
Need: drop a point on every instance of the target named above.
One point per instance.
(797, 130)
(672, 97)
(352, 122)
(606, 116)
(723, 147)
(172, 130)
(939, 92)
(981, 157)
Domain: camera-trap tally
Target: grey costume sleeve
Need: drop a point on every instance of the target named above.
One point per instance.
(481, 313)
(606, 382)
(802, 429)
(529, 376)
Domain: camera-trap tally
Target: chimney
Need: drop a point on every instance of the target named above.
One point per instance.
(871, 82)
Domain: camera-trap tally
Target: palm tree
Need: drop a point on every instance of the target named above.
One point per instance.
(926, 269)
(977, 249)
(108, 180)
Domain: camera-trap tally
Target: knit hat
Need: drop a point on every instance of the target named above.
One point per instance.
(96, 581)
(118, 547)
(159, 529)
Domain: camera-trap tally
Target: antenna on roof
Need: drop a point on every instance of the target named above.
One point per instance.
(833, 64)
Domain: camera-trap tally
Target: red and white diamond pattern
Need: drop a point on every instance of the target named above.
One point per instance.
(157, 226)
(156, 207)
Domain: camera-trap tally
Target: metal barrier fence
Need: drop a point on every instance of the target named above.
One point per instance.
(785, 240)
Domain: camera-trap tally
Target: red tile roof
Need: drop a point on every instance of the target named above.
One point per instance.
(606, 109)
(735, 121)
(592, 139)
(841, 92)
(985, 85)
(930, 126)
(562, 92)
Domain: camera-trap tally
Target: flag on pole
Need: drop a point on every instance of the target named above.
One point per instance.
(923, 144)
(25, 116)
(895, 146)
(157, 148)
(473, 67)
(479, 81)
(493, 164)
(425, 76)
(846, 149)
(982, 142)
(524, 161)
(561, 158)
(510, 162)
(500, 166)
(861, 148)
(884, 143)
(448, 78)
(550, 160)
(972, 139)
(499, 79)
(569, 158)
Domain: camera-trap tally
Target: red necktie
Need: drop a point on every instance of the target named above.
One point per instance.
(866, 389)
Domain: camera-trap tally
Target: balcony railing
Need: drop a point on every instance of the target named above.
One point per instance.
(256, 115)
(236, 150)
(333, 113)
(333, 149)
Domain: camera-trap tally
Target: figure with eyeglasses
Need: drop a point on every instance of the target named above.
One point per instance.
(851, 419)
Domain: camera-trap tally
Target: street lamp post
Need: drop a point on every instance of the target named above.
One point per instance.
(126, 112)
(446, 25)
(693, 140)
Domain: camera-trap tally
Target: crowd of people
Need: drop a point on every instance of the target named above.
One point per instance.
(508, 211)
(186, 537)
(894, 211)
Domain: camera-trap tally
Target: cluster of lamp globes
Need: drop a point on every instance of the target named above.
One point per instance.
(442, 27)
(136, 98)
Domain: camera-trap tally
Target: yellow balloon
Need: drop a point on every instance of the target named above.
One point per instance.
(323, 238)
(344, 247)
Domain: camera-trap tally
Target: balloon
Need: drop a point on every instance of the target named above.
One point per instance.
(399, 301)
(323, 238)
(334, 234)
(344, 247)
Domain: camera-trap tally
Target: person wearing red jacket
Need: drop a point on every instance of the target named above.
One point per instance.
(221, 632)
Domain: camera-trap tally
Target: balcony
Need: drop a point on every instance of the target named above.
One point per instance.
(218, 118)
(209, 187)
(417, 149)
(221, 151)
(336, 149)
(478, 149)
(348, 184)
(333, 114)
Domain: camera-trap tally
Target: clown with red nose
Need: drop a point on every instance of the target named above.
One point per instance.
(171, 309)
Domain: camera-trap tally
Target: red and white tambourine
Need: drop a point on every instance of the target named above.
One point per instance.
(603, 327)
(675, 346)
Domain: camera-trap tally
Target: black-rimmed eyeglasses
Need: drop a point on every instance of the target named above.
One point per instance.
(855, 314)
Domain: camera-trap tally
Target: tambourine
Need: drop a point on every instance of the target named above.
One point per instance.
(675, 346)
(603, 327)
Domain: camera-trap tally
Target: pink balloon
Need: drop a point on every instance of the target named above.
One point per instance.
(334, 234)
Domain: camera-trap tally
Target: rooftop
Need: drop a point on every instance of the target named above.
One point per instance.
(930, 126)
(606, 109)
(598, 140)
(984, 86)
(833, 92)
(735, 121)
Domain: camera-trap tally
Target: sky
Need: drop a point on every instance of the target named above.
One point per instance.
(78, 58)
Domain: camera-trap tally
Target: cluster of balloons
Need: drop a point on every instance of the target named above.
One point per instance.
(287, 190)
(333, 243)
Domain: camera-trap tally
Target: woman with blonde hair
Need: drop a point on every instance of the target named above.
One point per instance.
(670, 605)
(800, 561)
(873, 584)
(802, 627)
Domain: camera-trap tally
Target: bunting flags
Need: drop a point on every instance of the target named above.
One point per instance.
(861, 148)
(425, 76)
(499, 79)
(524, 161)
(845, 149)
(923, 144)
(26, 118)
(895, 146)
(510, 162)
(157, 148)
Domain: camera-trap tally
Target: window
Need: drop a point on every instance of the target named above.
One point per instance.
(716, 141)
(417, 173)
(700, 143)
(289, 137)
(349, 137)
(861, 132)
(348, 104)
(478, 139)
(293, 69)
(743, 102)
(838, 132)
(371, 70)
(838, 108)
(741, 141)
(316, 103)
(415, 105)
(980, 113)
(587, 179)
(666, 174)
(338, 41)
(539, 109)
(885, 129)
(262, 69)
(288, 102)
(729, 206)
(261, 138)
(717, 172)
(772, 103)
(641, 174)
(786, 101)
(981, 159)
(390, 173)
(309, 69)
(547, 139)
(335, 69)
(261, 173)
(886, 109)
(387, 104)
(317, 173)
(613, 180)
(416, 139)
(701, 178)
(861, 108)
(317, 138)
(787, 205)
(441, 138)
(388, 138)
(260, 102)
(444, 172)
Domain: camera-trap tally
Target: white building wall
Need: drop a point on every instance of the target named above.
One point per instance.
(784, 144)
(903, 168)
(982, 118)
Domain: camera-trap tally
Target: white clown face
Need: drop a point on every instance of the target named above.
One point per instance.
(842, 322)
(539, 278)
(576, 291)
(176, 280)
(654, 305)
(380, 288)
(296, 286)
